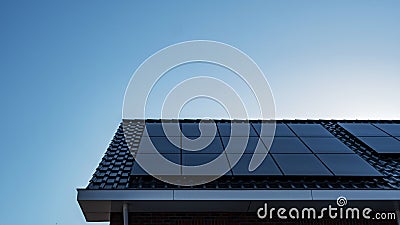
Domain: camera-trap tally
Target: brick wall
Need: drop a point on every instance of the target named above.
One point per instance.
(226, 219)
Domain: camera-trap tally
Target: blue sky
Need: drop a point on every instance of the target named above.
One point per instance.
(65, 66)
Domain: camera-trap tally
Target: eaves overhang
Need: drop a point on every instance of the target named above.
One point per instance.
(97, 205)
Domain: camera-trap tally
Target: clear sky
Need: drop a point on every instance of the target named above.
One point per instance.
(65, 66)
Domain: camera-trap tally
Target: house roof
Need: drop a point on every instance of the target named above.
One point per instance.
(114, 170)
(113, 180)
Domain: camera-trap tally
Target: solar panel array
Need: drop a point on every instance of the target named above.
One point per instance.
(297, 150)
(382, 138)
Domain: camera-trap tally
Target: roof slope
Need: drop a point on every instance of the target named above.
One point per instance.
(114, 170)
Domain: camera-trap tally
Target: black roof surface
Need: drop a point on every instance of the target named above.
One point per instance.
(114, 170)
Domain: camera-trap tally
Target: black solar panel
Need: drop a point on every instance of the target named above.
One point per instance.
(138, 171)
(267, 167)
(288, 145)
(161, 144)
(241, 129)
(192, 130)
(156, 129)
(310, 130)
(326, 145)
(348, 165)
(363, 130)
(281, 130)
(376, 136)
(200, 145)
(308, 151)
(392, 129)
(301, 165)
(196, 159)
(382, 145)
(251, 144)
